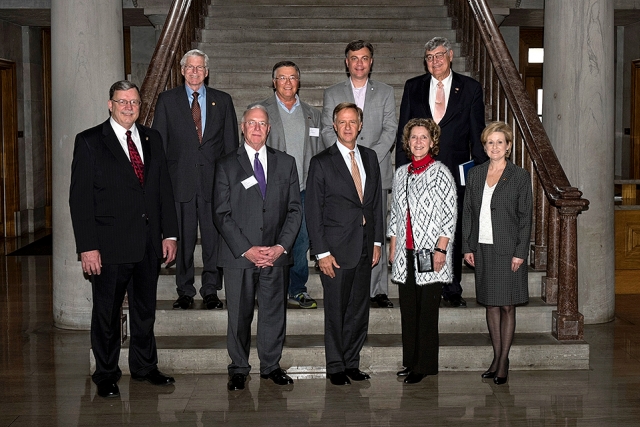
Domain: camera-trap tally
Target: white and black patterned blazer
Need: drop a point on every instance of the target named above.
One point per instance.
(432, 200)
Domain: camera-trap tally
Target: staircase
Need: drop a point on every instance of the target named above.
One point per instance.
(244, 40)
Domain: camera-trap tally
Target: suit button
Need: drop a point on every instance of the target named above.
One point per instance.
(143, 215)
(261, 229)
(264, 210)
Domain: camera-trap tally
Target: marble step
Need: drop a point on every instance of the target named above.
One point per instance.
(327, 49)
(274, 20)
(373, 36)
(327, 70)
(333, 10)
(534, 317)
(167, 284)
(303, 356)
(288, 3)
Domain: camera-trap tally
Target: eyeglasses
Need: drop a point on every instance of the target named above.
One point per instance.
(123, 102)
(439, 56)
(252, 123)
(283, 79)
(191, 68)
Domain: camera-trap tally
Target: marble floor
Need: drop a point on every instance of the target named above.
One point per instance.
(44, 381)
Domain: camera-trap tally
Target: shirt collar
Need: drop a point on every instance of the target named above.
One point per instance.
(295, 105)
(446, 81)
(252, 152)
(120, 131)
(201, 91)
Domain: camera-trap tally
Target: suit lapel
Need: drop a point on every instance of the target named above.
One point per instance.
(272, 167)
(146, 151)
(366, 163)
(184, 110)
(243, 159)
(507, 173)
(111, 141)
(343, 170)
(212, 111)
(453, 105)
(426, 87)
(348, 92)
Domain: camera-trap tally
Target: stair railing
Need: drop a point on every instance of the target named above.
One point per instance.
(557, 203)
(177, 36)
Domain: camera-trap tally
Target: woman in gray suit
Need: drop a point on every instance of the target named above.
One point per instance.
(496, 233)
(423, 216)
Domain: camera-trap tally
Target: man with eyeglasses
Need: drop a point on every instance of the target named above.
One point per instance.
(198, 125)
(456, 103)
(378, 132)
(295, 129)
(258, 212)
(124, 222)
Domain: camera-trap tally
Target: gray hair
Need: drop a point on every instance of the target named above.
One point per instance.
(284, 64)
(437, 41)
(258, 107)
(122, 85)
(195, 52)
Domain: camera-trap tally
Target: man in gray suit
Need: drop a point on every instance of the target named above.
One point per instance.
(295, 129)
(198, 126)
(379, 128)
(258, 212)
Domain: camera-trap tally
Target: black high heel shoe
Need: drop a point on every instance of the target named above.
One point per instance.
(488, 374)
(501, 380)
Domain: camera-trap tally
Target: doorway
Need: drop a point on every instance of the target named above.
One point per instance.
(9, 183)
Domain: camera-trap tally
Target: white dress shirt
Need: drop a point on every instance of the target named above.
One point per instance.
(432, 92)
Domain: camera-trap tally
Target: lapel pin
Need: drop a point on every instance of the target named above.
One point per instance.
(213, 103)
(146, 138)
(457, 89)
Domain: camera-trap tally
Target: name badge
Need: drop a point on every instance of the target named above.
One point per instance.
(249, 182)
(314, 131)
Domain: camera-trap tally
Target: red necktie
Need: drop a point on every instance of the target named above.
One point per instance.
(197, 115)
(136, 161)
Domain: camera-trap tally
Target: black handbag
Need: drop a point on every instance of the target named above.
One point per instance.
(424, 261)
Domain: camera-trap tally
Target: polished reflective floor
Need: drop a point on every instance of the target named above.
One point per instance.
(44, 381)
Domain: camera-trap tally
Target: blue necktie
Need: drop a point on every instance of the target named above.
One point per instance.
(259, 173)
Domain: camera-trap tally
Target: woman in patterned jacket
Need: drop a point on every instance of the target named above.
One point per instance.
(423, 219)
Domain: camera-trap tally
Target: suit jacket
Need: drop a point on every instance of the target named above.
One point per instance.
(244, 219)
(191, 164)
(379, 125)
(110, 210)
(333, 209)
(461, 125)
(511, 210)
(312, 144)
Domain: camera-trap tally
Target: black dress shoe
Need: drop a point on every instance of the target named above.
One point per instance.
(488, 374)
(183, 302)
(455, 301)
(413, 378)
(339, 378)
(154, 377)
(382, 300)
(236, 382)
(356, 374)
(212, 302)
(278, 376)
(108, 388)
(404, 372)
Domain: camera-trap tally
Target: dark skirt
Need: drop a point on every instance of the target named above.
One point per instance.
(496, 284)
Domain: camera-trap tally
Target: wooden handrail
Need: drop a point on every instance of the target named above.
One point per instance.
(178, 35)
(557, 203)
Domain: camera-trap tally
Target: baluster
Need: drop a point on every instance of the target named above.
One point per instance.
(538, 257)
(567, 322)
(549, 291)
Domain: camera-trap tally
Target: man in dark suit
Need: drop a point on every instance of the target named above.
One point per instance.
(198, 125)
(258, 212)
(124, 221)
(295, 129)
(344, 220)
(456, 103)
(379, 126)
